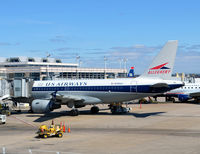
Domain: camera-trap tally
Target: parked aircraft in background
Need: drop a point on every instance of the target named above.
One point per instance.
(50, 95)
(185, 93)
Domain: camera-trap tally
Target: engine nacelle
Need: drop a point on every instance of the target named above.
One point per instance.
(43, 106)
(183, 97)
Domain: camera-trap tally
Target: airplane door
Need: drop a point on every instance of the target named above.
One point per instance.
(133, 87)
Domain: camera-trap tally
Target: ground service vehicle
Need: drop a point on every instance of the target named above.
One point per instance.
(53, 130)
(5, 109)
(2, 119)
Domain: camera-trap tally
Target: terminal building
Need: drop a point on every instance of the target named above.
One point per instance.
(51, 68)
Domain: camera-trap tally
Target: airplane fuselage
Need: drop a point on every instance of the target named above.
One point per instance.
(106, 90)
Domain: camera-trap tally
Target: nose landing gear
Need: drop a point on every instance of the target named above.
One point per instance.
(117, 108)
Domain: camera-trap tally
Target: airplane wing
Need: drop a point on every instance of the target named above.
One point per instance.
(65, 99)
(195, 94)
(160, 85)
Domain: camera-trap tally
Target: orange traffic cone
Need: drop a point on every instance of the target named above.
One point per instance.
(69, 130)
(64, 127)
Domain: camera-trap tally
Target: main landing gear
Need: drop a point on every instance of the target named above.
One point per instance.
(170, 99)
(117, 108)
(74, 112)
(94, 110)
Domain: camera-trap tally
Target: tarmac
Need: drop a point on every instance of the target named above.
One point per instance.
(153, 129)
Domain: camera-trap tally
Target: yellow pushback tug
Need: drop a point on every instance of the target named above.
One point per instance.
(53, 130)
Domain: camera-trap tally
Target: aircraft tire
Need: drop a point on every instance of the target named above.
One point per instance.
(74, 112)
(94, 110)
(60, 135)
(45, 136)
(173, 100)
(30, 111)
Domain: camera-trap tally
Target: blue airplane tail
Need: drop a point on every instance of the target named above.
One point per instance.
(131, 73)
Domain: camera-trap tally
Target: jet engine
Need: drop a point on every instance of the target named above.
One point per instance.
(183, 97)
(44, 106)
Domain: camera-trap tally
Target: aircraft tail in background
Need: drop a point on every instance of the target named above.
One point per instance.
(131, 73)
(163, 64)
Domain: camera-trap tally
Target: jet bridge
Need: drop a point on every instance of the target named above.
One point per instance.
(22, 87)
(21, 90)
(15, 91)
(4, 88)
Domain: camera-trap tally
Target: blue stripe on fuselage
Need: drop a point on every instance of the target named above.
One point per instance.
(139, 89)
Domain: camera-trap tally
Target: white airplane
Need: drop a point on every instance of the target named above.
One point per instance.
(50, 95)
(185, 93)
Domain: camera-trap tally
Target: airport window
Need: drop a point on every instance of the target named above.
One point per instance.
(13, 60)
(31, 60)
(44, 60)
(58, 61)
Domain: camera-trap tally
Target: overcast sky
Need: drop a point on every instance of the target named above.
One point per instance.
(119, 29)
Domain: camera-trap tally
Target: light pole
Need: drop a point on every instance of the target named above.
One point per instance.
(48, 55)
(125, 63)
(78, 62)
(105, 60)
(78, 59)
(120, 62)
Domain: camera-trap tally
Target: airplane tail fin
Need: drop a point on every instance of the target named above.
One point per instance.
(163, 64)
(131, 73)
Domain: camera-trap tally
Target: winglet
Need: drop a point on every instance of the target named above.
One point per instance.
(163, 64)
